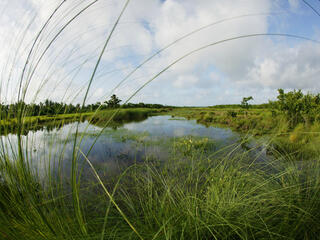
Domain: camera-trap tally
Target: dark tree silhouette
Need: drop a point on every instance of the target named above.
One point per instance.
(244, 102)
(114, 102)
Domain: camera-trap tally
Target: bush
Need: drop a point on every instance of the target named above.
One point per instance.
(297, 107)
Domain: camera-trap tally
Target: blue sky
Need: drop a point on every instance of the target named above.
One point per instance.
(221, 74)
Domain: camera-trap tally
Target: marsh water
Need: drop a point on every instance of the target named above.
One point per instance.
(119, 147)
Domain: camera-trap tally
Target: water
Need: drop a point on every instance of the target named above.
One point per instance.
(115, 148)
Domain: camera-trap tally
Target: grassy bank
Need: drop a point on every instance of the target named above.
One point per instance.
(116, 117)
(121, 116)
(300, 142)
(256, 121)
(10, 125)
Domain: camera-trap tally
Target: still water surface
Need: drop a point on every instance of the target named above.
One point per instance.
(115, 148)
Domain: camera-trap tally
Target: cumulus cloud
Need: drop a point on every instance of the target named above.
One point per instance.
(292, 67)
(219, 74)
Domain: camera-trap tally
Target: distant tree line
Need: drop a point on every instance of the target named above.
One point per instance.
(114, 102)
(252, 106)
(43, 108)
(50, 108)
(143, 105)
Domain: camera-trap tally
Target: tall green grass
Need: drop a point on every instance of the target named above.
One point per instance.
(191, 196)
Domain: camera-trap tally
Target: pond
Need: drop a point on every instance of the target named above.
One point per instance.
(116, 148)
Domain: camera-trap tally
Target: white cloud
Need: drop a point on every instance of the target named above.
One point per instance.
(217, 74)
(293, 68)
(185, 81)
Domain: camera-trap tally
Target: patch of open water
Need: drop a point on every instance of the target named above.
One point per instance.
(115, 148)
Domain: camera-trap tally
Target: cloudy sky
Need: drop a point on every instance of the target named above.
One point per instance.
(58, 63)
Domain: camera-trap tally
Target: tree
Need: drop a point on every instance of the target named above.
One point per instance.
(298, 107)
(244, 102)
(114, 102)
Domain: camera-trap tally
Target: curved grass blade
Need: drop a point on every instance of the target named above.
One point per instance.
(110, 195)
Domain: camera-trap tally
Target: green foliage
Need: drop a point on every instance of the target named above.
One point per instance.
(46, 108)
(144, 105)
(51, 108)
(245, 102)
(297, 107)
(226, 196)
(114, 102)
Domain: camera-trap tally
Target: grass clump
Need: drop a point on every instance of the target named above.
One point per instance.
(189, 145)
(226, 197)
(229, 199)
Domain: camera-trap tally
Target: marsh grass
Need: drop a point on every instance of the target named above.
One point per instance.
(102, 118)
(227, 198)
(300, 142)
(193, 195)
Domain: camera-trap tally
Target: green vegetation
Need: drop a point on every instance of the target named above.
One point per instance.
(203, 190)
(48, 108)
(52, 109)
(124, 115)
(298, 108)
(118, 117)
(200, 191)
(114, 102)
(245, 102)
(11, 125)
(291, 122)
(190, 196)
